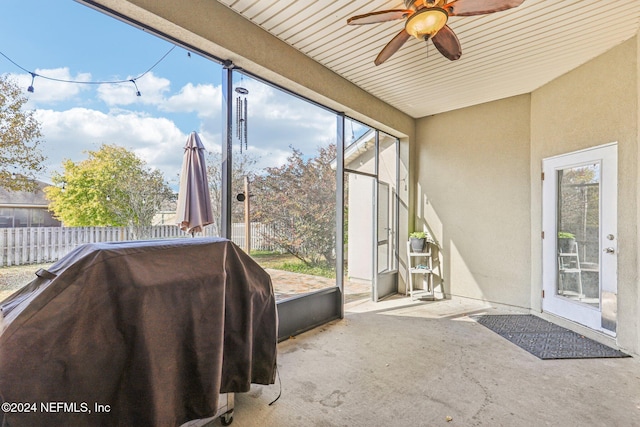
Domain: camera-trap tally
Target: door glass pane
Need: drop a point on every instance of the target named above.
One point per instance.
(388, 175)
(384, 243)
(359, 147)
(578, 240)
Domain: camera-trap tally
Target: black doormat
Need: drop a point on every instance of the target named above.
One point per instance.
(544, 339)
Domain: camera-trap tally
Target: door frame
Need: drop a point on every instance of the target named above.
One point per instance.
(386, 282)
(602, 318)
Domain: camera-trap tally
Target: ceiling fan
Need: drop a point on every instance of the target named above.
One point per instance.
(427, 19)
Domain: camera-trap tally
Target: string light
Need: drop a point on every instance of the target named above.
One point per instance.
(137, 91)
(33, 77)
(133, 80)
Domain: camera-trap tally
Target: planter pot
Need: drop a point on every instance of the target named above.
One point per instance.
(417, 245)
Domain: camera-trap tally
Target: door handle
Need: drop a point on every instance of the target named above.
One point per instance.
(609, 250)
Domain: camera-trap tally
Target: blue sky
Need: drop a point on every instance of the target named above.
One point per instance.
(69, 41)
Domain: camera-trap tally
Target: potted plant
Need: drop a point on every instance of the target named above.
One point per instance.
(566, 241)
(417, 240)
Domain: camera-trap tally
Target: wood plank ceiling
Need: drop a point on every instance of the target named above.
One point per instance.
(503, 54)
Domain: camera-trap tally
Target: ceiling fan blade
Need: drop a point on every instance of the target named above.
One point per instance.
(380, 16)
(447, 43)
(479, 7)
(392, 47)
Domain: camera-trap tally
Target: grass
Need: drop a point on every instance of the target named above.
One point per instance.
(15, 277)
(287, 262)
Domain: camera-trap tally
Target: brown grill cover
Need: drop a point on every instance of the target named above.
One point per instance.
(155, 330)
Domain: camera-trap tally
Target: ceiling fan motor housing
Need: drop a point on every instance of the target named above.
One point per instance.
(418, 4)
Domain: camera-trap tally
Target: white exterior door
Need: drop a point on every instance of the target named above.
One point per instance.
(580, 237)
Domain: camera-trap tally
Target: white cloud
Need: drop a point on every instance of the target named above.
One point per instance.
(268, 157)
(203, 99)
(151, 87)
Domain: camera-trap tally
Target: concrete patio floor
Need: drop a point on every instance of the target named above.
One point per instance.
(403, 363)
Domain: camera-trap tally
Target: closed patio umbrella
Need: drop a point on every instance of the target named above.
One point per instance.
(194, 203)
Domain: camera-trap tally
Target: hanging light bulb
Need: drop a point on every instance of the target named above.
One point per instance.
(137, 91)
(33, 77)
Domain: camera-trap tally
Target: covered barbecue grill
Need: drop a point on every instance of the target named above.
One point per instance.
(137, 333)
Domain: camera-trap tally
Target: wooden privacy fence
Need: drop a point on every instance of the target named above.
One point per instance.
(36, 245)
(261, 236)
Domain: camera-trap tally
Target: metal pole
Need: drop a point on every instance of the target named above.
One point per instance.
(340, 209)
(375, 297)
(227, 147)
(247, 216)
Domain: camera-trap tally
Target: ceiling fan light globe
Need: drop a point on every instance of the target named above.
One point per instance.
(426, 23)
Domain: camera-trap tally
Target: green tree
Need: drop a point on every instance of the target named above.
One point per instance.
(112, 187)
(20, 157)
(298, 199)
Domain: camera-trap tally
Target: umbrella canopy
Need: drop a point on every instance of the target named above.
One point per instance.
(194, 203)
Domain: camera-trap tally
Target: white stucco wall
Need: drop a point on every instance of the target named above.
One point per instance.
(474, 195)
(360, 226)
